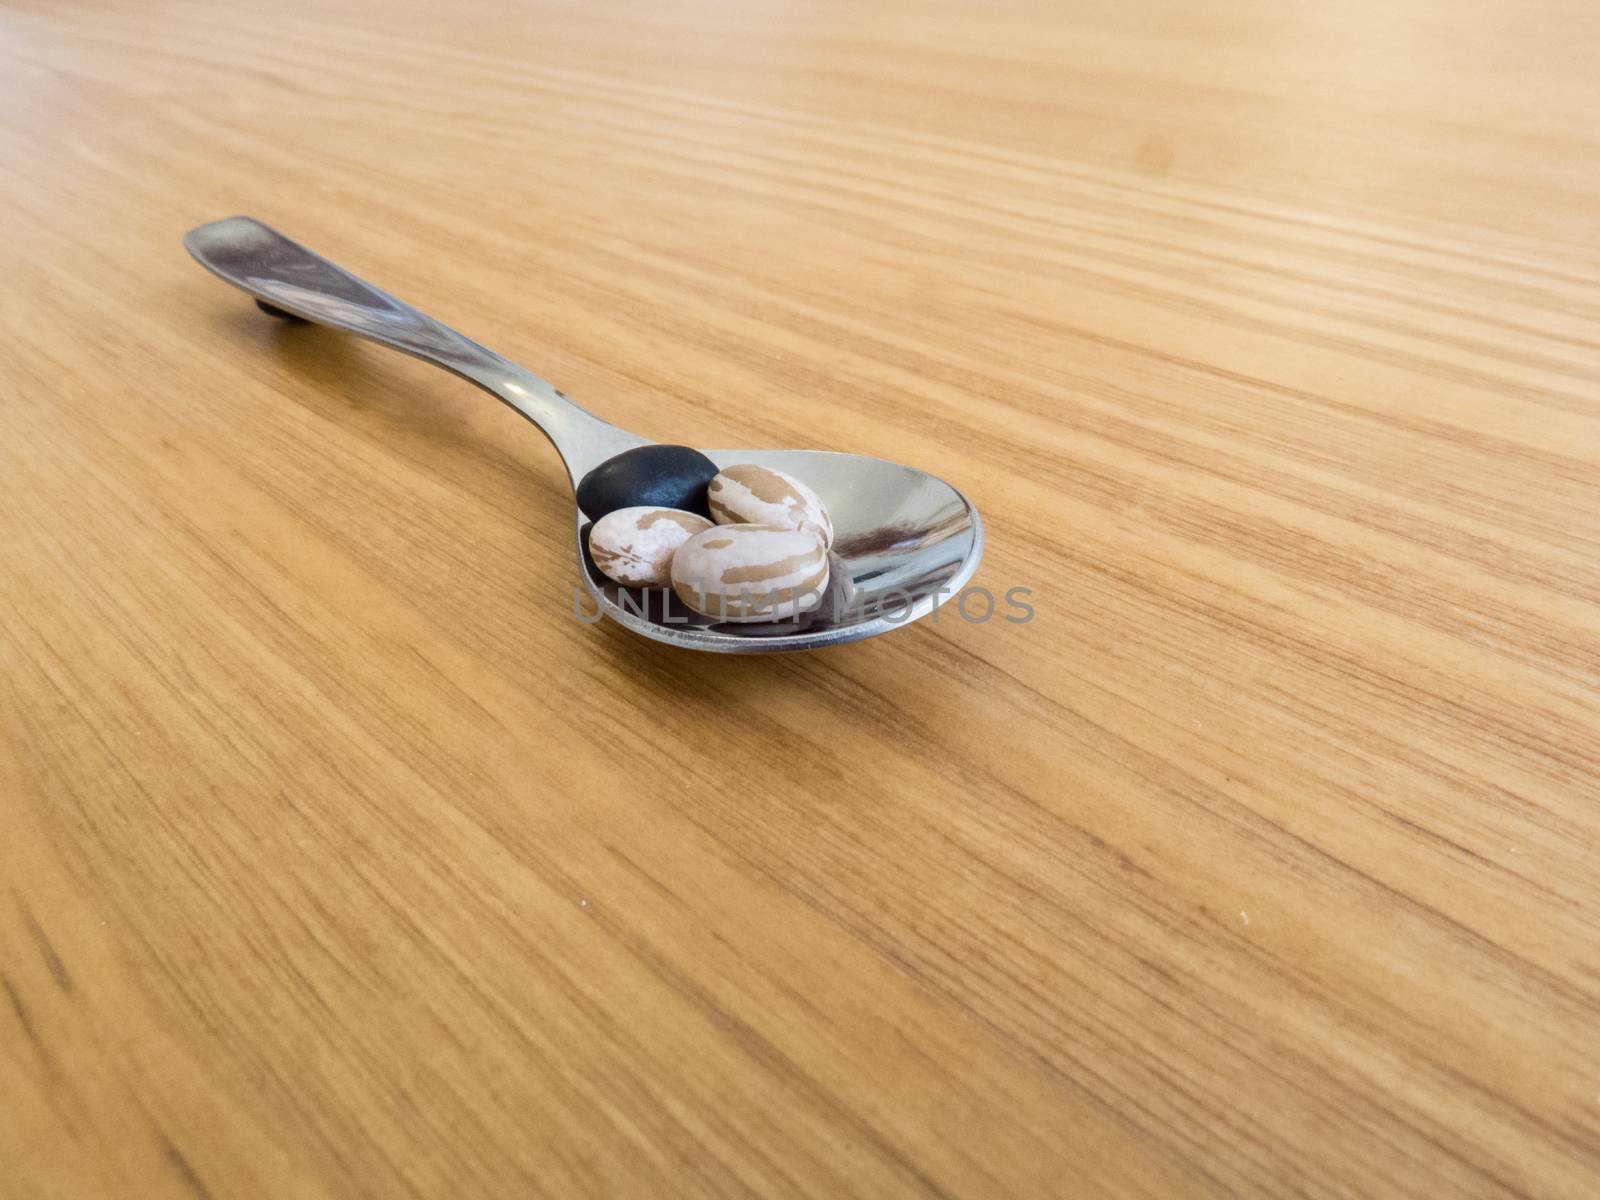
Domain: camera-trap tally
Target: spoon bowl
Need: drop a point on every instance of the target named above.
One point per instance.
(904, 540)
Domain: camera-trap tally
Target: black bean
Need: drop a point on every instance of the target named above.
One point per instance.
(660, 476)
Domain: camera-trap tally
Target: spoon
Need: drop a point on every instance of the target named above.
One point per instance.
(904, 541)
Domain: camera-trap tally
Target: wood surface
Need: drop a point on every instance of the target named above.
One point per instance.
(337, 860)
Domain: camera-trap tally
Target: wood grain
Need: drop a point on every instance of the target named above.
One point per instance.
(1265, 861)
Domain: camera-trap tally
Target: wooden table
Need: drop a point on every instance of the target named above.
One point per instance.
(338, 860)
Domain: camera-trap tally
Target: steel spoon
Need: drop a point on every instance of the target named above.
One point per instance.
(904, 541)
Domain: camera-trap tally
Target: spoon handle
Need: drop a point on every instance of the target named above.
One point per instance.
(284, 274)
